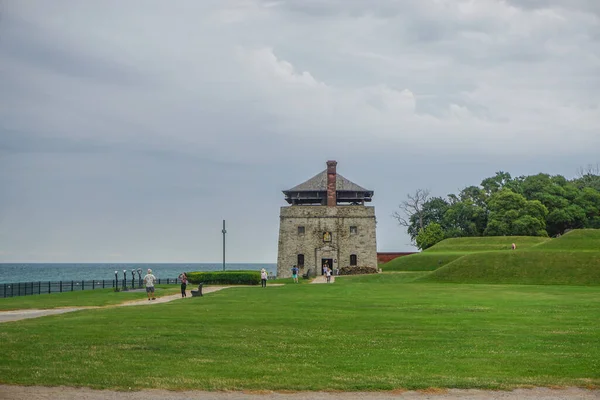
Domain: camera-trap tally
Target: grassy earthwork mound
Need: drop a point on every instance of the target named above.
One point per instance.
(487, 243)
(572, 259)
(420, 261)
(522, 267)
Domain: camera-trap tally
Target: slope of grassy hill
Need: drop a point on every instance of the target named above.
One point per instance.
(420, 262)
(486, 243)
(578, 239)
(522, 267)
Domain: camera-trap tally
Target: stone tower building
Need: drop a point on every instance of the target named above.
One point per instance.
(326, 223)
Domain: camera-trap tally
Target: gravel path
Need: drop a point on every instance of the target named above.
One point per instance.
(67, 393)
(322, 279)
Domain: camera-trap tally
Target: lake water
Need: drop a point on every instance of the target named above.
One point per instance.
(33, 272)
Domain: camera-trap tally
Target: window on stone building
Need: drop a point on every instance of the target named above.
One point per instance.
(300, 262)
(353, 260)
(300, 230)
(353, 230)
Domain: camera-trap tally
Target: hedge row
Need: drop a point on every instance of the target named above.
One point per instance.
(225, 277)
(357, 270)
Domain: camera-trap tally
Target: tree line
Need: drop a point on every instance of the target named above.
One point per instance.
(534, 205)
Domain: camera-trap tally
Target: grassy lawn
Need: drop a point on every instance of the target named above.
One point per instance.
(376, 332)
(97, 297)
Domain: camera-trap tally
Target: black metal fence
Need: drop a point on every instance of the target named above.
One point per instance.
(33, 288)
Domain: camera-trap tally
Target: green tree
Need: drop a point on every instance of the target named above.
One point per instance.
(512, 214)
(432, 234)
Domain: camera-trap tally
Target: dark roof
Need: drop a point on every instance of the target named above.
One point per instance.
(318, 183)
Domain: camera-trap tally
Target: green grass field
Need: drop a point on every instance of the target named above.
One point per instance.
(84, 298)
(372, 332)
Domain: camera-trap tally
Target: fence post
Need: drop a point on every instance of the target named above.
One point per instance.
(19, 290)
(72, 286)
(102, 283)
(61, 286)
(49, 288)
(40, 288)
(82, 285)
(5, 290)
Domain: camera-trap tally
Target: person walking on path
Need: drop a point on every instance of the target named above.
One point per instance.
(184, 281)
(295, 273)
(328, 275)
(263, 278)
(149, 280)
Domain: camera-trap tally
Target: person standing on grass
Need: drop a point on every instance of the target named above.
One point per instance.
(295, 274)
(263, 278)
(184, 281)
(149, 280)
(328, 275)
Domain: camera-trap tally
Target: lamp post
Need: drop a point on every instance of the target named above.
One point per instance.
(133, 278)
(139, 271)
(116, 279)
(124, 279)
(224, 232)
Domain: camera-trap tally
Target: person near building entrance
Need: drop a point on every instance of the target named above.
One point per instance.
(328, 275)
(149, 280)
(295, 273)
(263, 278)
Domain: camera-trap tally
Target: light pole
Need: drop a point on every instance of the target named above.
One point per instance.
(116, 279)
(139, 271)
(124, 279)
(224, 232)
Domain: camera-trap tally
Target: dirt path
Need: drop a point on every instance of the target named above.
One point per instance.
(68, 393)
(16, 315)
(322, 279)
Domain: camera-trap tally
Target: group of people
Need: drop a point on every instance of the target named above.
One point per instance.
(150, 280)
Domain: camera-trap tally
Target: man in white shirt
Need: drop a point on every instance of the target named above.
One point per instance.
(149, 280)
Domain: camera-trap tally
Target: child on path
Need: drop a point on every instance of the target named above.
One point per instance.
(295, 274)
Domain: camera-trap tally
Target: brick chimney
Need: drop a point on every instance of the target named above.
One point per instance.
(331, 184)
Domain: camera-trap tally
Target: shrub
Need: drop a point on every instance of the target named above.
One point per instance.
(357, 270)
(225, 277)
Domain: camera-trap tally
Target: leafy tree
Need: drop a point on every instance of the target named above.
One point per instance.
(496, 182)
(432, 234)
(512, 214)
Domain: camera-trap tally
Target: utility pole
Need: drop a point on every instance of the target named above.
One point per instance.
(224, 232)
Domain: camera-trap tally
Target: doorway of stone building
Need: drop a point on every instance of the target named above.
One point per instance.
(326, 262)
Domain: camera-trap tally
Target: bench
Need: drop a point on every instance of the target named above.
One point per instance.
(306, 275)
(198, 292)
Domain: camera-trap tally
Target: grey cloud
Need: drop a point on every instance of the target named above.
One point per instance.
(134, 128)
(33, 45)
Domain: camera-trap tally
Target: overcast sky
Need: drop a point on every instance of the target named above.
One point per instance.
(130, 129)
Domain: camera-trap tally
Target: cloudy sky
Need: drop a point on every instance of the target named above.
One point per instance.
(130, 129)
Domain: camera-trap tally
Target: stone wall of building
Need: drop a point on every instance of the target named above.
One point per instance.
(317, 220)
